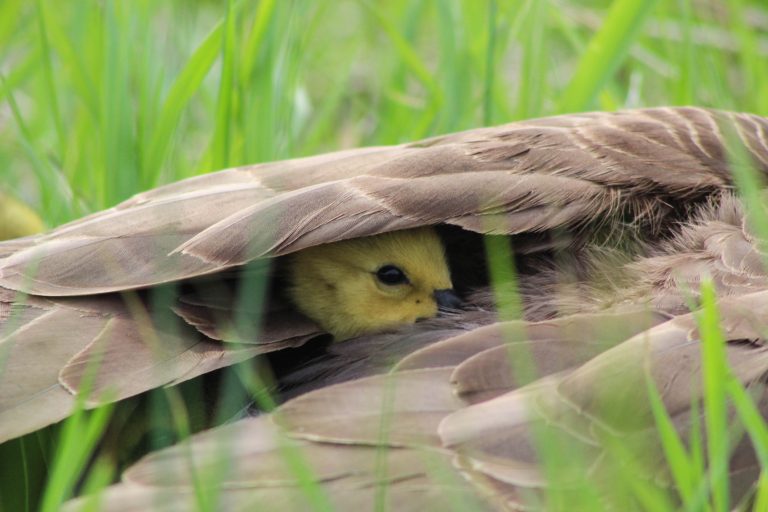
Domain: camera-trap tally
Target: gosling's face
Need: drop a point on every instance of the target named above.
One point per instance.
(370, 284)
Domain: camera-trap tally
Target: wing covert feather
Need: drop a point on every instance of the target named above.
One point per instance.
(660, 175)
(560, 171)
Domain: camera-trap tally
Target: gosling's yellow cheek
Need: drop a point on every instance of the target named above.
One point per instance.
(430, 310)
(422, 308)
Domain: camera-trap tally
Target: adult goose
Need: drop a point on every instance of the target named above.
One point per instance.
(613, 219)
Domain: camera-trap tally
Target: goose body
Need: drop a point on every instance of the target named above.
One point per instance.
(614, 218)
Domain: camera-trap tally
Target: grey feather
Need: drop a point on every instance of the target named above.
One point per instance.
(653, 185)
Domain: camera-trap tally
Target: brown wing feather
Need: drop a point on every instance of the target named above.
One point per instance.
(214, 309)
(635, 170)
(49, 348)
(606, 399)
(633, 161)
(588, 396)
(258, 473)
(337, 430)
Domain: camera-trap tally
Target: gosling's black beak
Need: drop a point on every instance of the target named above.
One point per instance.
(447, 300)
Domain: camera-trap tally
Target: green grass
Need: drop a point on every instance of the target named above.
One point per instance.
(102, 99)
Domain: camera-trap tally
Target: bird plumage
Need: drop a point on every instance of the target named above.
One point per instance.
(652, 185)
(337, 285)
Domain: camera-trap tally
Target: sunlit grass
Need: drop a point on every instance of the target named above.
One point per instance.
(101, 100)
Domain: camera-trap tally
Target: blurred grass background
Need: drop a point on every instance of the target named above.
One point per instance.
(103, 99)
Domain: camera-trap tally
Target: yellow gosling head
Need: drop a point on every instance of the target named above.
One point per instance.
(370, 284)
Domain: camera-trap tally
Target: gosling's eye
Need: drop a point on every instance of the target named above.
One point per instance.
(390, 274)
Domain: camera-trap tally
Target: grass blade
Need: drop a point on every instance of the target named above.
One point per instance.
(604, 53)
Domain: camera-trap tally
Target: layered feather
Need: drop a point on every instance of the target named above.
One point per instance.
(459, 424)
(655, 176)
(562, 172)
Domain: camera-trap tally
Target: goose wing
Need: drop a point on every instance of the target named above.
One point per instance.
(568, 172)
(632, 172)
(473, 416)
(459, 425)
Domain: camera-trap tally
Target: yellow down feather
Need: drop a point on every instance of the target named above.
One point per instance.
(17, 219)
(336, 284)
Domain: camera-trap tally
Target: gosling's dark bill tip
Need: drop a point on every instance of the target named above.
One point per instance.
(447, 300)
